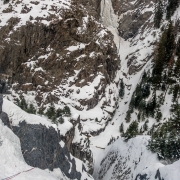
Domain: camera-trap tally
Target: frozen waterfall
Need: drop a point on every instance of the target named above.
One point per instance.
(107, 14)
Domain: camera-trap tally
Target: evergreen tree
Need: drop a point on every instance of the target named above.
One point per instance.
(31, 109)
(59, 112)
(128, 116)
(177, 67)
(146, 91)
(166, 139)
(158, 115)
(122, 89)
(67, 111)
(132, 131)
(175, 119)
(145, 126)
(51, 111)
(151, 106)
(61, 120)
(160, 56)
(23, 104)
(158, 14)
(121, 128)
(178, 47)
(175, 92)
(171, 7)
(170, 42)
(164, 54)
(40, 111)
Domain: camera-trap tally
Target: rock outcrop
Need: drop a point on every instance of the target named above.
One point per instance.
(132, 16)
(40, 147)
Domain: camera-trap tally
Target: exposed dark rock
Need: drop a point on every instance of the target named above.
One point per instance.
(5, 119)
(76, 149)
(40, 147)
(1, 102)
(141, 177)
(32, 41)
(158, 175)
(131, 21)
(3, 116)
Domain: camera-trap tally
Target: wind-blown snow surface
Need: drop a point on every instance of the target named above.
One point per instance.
(130, 159)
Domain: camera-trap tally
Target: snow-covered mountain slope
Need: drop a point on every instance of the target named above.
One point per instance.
(137, 55)
(62, 54)
(129, 159)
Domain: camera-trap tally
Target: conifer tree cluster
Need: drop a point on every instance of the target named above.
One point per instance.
(164, 56)
(161, 8)
(139, 100)
(24, 106)
(132, 131)
(171, 7)
(158, 14)
(165, 140)
(57, 115)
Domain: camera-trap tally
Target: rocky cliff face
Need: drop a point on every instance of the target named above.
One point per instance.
(41, 148)
(66, 48)
(133, 16)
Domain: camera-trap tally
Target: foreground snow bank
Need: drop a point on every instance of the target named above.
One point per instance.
(12, 161)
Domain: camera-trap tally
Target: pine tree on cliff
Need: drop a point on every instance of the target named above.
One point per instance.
(164, 53)
(158, 14)
(177, 67)
(132, 131)
(175, 119)
(121, 91)
(170, 42)
(160, 55)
